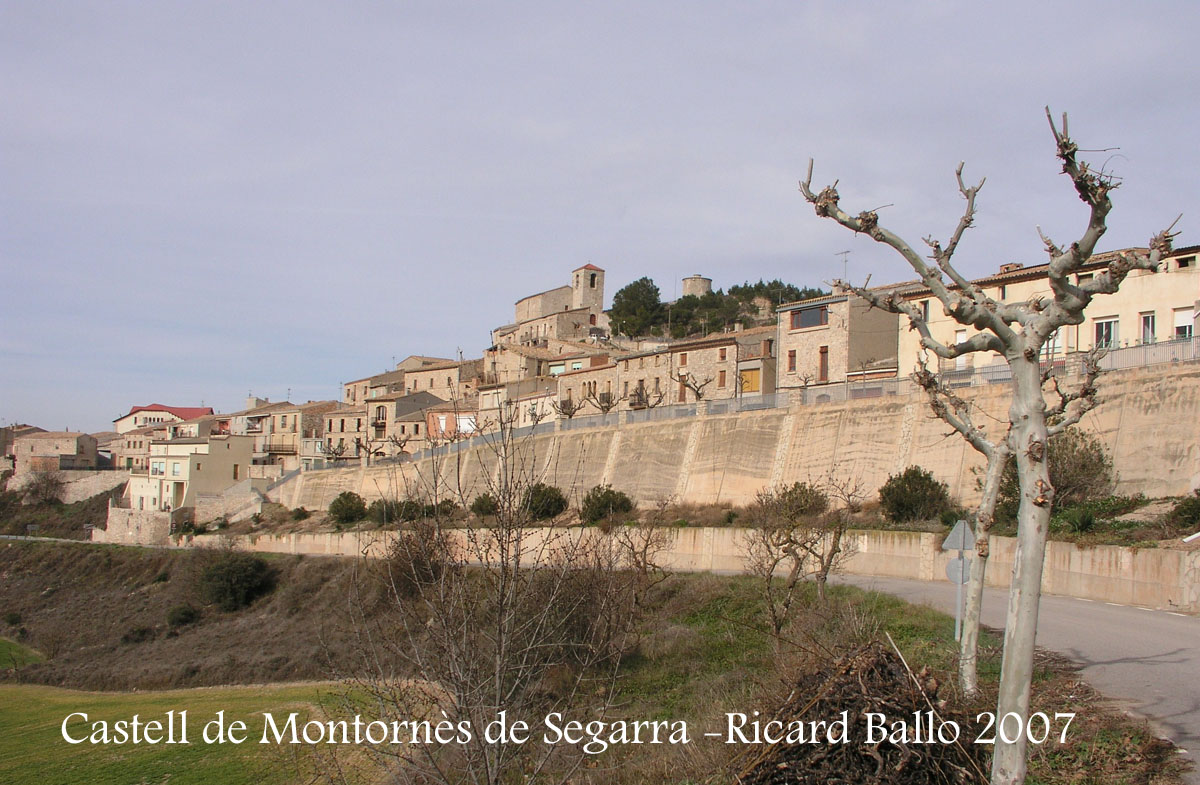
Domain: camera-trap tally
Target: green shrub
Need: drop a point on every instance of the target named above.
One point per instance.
(1079, 520)
(410, 510)
(384, 511)
(348, 507)
(952, 516)
(485, 504)
(913, 495)
(182, 615)
(1080, 471)
(138, 635)
(12, 618)
(300, 514)
(543, 501)
(443, 509)
(1186, 512)
(604, 502)
(234, 580)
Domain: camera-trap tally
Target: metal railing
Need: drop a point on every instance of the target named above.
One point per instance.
(1175, 351)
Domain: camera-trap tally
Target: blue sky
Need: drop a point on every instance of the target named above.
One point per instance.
(202, 200)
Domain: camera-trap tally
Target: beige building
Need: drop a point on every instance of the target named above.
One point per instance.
(1149, 308)
(647, 379)
(450, 381)
(53, 451)
(180, 470)
(157, 414)
(834, 338)
(132, 452)
(573, 312)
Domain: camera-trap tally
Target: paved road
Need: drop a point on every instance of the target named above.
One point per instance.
(1147, 659)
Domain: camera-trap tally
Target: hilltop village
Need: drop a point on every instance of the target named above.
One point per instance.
(563, 361)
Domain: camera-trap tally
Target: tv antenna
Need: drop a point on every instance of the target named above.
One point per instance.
(845, 264)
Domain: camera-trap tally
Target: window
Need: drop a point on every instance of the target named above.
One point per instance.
(1184, 321)
(657, 389)
(1083, 278)
(960, 362)
(236, 472)
(721, 377)
(198, 465)
(925, 310)
(683, 388)
(810, 317)
(358, 424)
(283, 421)
(592, 281)
(1185, 262)
(791, 361)
(174, 468)
(682, 359)
(823, 364)
(1148, 328)
(626, 390)
(416, 427)
(721, 356)
(1107, 334)
(1003, 292)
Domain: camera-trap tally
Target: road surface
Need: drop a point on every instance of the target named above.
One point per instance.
(1147, 659)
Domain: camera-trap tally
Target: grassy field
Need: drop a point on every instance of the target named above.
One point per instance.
(14, 655)
(32, 748)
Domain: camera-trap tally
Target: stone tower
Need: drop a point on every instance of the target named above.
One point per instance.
(587, 288)
(697, 285)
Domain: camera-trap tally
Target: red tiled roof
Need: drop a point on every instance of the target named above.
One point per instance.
(590, 266)
(183, 412)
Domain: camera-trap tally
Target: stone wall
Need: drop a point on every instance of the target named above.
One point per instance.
(78, 485)
(135, 527)
(1154, 578)
(1149, 418)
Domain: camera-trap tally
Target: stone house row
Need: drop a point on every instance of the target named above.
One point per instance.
(840, 338)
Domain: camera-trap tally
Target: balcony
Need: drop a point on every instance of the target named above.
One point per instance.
(280, 448)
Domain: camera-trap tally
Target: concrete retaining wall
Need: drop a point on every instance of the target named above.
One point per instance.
(1153, 578)
(1149, 419)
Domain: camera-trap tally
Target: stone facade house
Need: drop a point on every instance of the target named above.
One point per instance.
(157, 414)
(1148, 309)
(833, 339)
(53, 451)
(453, 381)
(572, 312)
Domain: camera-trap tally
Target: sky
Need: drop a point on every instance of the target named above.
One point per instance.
(204, 200)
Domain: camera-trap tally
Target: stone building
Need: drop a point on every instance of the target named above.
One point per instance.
(1149, 308)
(648, 379)
(451, 381)
(53, 451)
(155, 414)
(573, 312)
(833, 338)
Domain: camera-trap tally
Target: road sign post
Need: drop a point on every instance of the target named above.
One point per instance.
(958, 570)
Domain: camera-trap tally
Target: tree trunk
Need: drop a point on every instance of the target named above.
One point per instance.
(1028, 440)
(968, 659)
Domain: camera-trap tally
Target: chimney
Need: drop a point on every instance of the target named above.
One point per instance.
(1011, 266)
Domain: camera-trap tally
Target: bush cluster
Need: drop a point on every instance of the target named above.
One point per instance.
(182, 615)
(1186, 512)
(348, 507)
(1080, 470)
(604, 502)
(543, 501)
(913, 495)
(485, 504)
(234, 580)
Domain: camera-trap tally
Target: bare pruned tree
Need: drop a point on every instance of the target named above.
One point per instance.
(605, 402)
(488, 621)
(568, 407)
(1018, 332)
(641, 398)
(693, 383)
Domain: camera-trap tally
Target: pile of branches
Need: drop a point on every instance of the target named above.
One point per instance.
(871, 678)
